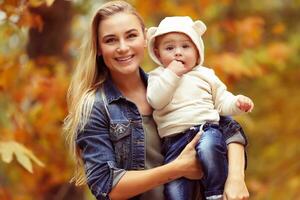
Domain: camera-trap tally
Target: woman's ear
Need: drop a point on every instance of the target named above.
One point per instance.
(99, 52)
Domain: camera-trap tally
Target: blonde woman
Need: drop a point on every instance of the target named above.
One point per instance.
(110, 127)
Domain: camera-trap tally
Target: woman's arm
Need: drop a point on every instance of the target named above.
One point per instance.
(235, 187)
(137, 182)
(99, 158)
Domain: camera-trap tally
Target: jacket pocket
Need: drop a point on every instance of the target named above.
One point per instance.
(119, 130)
(120, 134)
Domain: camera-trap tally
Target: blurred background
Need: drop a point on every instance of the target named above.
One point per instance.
(253, 45)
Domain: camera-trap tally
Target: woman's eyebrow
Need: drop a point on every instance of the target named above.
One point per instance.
(131, 30)
(108, 36)
(113, 35)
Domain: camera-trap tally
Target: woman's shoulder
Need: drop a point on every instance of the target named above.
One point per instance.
(94, 101)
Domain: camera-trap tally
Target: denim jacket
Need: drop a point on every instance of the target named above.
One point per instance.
(113, 139)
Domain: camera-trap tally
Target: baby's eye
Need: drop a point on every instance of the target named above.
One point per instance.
(185, 46)
(170, 48)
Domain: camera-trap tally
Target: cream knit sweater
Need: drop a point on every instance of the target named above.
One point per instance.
(192, 99)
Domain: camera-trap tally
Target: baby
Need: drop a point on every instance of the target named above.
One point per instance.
(188, 98)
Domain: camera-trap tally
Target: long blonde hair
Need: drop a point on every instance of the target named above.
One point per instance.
(88, 76)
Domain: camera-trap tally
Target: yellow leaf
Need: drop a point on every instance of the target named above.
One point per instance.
(24, 161)
(35, 3)
(23, 155)
(7, 154)
(49, 2)
(29, 154)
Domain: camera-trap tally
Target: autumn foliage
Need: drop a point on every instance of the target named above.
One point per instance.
(252, 45)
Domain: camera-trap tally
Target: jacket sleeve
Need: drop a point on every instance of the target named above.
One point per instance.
(162, 84)
(98, 153)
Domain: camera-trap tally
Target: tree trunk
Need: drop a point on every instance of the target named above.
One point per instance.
(55, 33)
(51, 41)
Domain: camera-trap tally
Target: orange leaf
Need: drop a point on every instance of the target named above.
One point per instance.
(250, 30)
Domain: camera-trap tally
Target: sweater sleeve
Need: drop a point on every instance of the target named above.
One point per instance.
(224, 101)
(162, 84)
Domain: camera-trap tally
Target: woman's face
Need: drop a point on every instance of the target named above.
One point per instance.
(121, 42)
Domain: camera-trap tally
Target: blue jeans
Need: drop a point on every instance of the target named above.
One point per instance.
(212, 153)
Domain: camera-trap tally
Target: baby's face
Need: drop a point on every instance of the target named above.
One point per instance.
(176, 46)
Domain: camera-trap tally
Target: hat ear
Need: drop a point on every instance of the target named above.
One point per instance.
(150, 32)
(200, 27)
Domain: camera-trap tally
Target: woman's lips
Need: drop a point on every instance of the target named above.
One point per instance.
(124, 58)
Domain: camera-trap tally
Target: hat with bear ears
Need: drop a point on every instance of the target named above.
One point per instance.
(181, 24)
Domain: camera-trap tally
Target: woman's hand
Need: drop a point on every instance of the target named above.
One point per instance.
(235, 189)
(187, 161)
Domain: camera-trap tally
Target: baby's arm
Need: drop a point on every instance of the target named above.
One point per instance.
(227, 103)
(162, 84)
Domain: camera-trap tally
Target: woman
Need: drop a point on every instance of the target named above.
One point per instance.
(109, 127)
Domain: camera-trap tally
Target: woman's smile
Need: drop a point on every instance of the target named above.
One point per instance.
(122, 42)
(124, 59)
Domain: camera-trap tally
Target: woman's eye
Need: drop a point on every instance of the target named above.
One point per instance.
(110, 40)
(132, 35)
(185, 46)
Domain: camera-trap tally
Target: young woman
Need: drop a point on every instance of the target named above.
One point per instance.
(110, 127)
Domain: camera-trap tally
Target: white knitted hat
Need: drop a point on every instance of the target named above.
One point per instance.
(179, 24)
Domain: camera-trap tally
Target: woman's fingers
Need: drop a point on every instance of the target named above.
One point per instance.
(188, 156)
(194, 141)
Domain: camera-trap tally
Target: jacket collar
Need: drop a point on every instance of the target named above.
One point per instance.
(113, 93)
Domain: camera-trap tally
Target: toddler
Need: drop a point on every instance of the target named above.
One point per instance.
(188, 98)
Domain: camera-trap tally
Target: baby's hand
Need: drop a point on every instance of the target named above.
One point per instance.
(178, 68)
(244, 103)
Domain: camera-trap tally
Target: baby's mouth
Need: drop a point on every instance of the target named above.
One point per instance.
(180, 61)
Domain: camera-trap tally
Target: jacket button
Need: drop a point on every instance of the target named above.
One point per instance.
(104, 194)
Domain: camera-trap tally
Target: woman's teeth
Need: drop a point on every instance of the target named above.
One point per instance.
(124, 58)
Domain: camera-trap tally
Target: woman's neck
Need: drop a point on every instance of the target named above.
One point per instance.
(128, 83)
(134, 89)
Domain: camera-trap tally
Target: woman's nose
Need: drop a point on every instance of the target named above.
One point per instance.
(123, 47)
